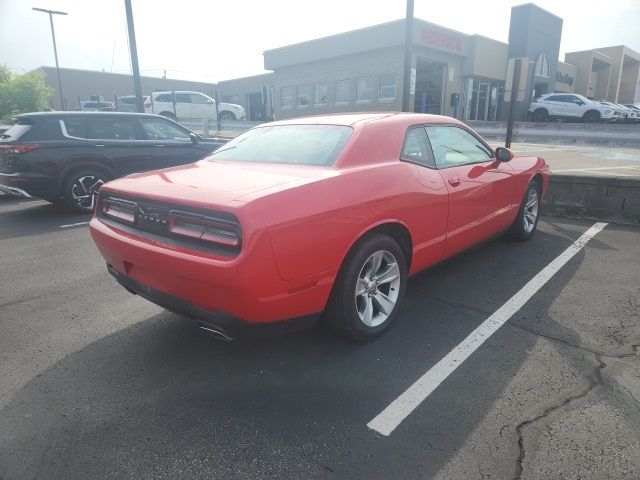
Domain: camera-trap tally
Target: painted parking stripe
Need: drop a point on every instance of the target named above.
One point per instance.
(74, 224)
(387, 421)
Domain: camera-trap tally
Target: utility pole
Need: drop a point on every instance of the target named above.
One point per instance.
(55, 48)
(134, 56)
(408, 42)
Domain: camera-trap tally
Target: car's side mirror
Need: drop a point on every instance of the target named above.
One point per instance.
(209, 101)
(503, 154)
(194, 137)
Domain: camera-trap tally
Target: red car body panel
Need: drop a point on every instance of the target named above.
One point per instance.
(299, 222)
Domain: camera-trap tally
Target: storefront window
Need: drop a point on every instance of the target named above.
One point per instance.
(286, 97)
(482, 99)
(320, 94)
(364, 90)
(343, 91)
(386, 87)
(303, 96)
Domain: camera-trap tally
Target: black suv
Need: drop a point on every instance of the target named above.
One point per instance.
(67, 156)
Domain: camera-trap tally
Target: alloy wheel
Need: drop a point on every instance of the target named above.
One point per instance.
(84, 191)
(531, 210)
(377, 288)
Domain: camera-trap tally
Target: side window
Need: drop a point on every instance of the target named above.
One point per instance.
(554, 98)
(182, 98)
(111, 129)
(158, 129)
(455, 146)
(45, 129)
(73, 127)
(199, 99)
(416, 147)
(165, 97)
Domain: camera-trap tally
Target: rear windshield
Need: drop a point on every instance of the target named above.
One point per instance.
(290, 144)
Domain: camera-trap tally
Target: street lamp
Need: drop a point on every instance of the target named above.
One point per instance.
(55, 49)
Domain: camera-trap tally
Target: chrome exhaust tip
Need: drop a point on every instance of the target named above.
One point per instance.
(216, 333)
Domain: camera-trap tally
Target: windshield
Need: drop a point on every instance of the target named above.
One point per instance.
(291, 144)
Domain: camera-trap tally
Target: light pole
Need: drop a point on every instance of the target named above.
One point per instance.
(55, 48)
(408, 42)
(133, 50)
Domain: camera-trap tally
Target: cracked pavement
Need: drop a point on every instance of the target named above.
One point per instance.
(97, 383)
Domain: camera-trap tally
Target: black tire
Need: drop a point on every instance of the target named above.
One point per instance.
(591, 116)
(342, 312)
(84, 182)
(169, 115)
(226, 115)
(523, 228)
(540, 115)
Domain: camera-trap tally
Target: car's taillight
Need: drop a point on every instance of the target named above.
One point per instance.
(18, 148)
(204, 228)
(147, 104)
(119, 209)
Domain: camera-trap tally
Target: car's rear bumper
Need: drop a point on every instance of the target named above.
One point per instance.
(220, 323)
(247, 287)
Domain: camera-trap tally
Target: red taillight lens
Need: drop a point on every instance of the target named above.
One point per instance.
(203, 228)
(119, 209)
(147, 104)
(18, 148)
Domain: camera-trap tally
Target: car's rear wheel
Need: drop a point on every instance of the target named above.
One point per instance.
(170, 115)
(591, 117)
(226, 115)
(526, 222)
(81, 189)
(540, 115)
(369, 288)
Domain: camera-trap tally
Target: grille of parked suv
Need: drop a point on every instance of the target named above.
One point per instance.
(216, 232)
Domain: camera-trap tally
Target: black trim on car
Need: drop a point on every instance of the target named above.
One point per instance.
(218, 321)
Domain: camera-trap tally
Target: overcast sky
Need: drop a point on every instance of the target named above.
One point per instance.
(216, 40)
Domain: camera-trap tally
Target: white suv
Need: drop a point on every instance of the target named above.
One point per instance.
(569, 106)
(190, 105)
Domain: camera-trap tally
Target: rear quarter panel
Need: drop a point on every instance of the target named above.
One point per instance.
(313, 226)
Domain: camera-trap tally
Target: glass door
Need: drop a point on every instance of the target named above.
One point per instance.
(429, 87)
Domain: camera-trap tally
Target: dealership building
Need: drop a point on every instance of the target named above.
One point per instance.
(453, 73)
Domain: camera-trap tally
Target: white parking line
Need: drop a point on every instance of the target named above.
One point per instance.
(387, 421)
(630, 167)
(74, 224)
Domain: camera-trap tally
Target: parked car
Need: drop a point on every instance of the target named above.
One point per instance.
(564, 106)
(4, 128)
(127, 103)
(67, 156)
(620, 112)
(91, 106)
(320, 214)
(636, 110)
(192, 105)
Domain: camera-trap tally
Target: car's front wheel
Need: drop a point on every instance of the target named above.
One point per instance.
(591, 117)
(369, 288)
(81, 189)
(526, 222)
(540, 115)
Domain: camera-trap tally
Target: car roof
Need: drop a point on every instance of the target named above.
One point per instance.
(82, 114)
(356, 118)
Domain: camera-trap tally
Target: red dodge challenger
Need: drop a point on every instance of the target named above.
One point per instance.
(320, 216)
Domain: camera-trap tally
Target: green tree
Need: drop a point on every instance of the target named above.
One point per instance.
(22, 93)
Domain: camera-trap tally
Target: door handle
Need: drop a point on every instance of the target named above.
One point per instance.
(454, 182)
(99, 145)
(159, 145)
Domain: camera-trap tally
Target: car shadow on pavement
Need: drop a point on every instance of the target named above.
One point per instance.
(162, 400)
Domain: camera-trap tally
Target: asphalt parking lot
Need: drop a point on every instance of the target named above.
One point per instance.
(98, 383)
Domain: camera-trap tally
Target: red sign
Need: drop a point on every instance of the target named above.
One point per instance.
(441, 40)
